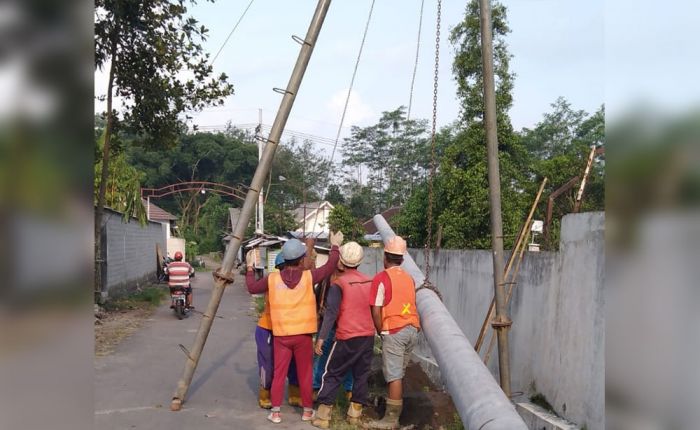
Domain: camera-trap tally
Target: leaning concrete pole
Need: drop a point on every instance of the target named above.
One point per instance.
(225, 274)
(501, 323)
(479, 400)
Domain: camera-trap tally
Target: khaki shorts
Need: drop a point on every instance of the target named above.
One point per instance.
(396, 352)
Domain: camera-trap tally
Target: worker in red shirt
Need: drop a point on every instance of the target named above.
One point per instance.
(293, 315)
(179, 273)
(353, 347)
(393, 305)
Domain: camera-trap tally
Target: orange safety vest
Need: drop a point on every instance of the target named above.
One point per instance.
(354, 317)
(265, 321)
(401, 310)
(292, 310)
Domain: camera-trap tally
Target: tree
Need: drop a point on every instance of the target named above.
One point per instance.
(393, 152)
(558, 147)
(123, 189)
(278, 221)
(463, 170)
(334, 196)
(341, 219)
(158, 68)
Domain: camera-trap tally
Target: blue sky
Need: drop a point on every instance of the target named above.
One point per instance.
(557, 48)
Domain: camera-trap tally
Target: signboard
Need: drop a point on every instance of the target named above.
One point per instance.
(537, 226)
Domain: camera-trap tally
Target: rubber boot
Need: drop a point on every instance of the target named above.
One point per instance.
(322, 419)
(264, 398)
(294, 396)
(354, 413)
(348, 395)
(390, 421)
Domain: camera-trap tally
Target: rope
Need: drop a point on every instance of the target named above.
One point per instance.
(231, 33)
(428, 243)
(415, 64)
(347, 100)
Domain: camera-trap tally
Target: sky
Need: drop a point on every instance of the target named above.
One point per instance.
(557, 47)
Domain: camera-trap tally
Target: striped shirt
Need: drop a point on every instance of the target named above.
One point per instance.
(179, 273)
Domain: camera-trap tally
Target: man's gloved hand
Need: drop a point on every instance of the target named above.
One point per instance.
(336, 238)
(250, 259)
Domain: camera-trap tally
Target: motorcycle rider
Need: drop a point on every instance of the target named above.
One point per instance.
(179, 273)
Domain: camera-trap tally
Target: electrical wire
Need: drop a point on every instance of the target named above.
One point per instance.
(231, 33)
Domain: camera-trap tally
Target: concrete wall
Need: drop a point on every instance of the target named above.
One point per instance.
(557, 337)
(131, 258)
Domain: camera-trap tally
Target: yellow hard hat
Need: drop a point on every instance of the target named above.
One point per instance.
(395, 245)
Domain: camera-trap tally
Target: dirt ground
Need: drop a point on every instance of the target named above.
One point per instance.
(425, 407)
(117, 321)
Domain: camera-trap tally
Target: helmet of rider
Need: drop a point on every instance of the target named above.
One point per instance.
(178, 256)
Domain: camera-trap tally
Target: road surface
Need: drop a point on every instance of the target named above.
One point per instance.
(134, 385)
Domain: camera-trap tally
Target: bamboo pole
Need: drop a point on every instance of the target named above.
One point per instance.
(224, 275)
(524, 231)
(511, 286)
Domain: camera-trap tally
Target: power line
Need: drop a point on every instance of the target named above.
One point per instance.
(266, 128)
(415, 65)
(231, 33)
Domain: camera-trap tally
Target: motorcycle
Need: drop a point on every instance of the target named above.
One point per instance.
(179, 302)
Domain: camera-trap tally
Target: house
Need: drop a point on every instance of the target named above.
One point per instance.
(371, 233)
(167, 220)
(312, 220)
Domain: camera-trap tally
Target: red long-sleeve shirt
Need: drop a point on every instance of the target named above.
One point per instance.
(292, 275)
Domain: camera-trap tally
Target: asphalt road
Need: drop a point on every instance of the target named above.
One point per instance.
(134, 385)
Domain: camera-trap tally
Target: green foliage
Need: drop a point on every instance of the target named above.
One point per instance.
(334, 196)
(341, 219)
(558, 148)
(278, 221)
(148, 297)
(363, 203)
(467, 64)
(191, 249)
(303, 171)
(159, 66)
(229, 158)
(393, 153)
(123, 189)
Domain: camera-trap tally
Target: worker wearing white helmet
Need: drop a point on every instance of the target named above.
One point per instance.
(293, 317)
(347, 306)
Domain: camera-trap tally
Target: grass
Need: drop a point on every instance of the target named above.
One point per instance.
(259, 304)
(148, 297)
(456, 423)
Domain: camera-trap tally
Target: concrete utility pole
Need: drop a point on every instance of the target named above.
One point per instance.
(501, 323)
(480, 402)
(224, 275)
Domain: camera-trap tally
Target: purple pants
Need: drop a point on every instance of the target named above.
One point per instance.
(263, 339)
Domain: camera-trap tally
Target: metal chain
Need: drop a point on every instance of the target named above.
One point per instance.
(428, 244)
(415, 64)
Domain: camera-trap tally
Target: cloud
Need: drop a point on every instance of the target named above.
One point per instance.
(358, 112)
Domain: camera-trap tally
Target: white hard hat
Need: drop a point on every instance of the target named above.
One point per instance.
(351, 254)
